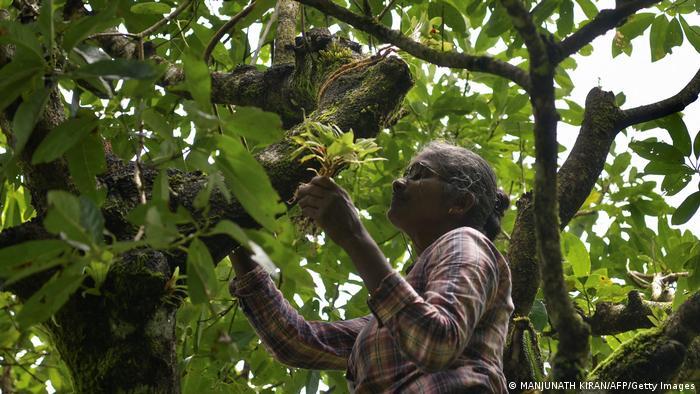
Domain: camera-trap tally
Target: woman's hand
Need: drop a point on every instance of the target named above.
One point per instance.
(330, 206)
(241, 261)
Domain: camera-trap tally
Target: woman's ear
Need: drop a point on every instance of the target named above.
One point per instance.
(461, 206)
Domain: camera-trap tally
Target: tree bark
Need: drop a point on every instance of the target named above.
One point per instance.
(123, 340)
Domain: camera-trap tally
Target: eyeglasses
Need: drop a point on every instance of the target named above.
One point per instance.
(420, 170)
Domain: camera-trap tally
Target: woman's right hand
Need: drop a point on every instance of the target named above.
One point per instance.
(242, 261)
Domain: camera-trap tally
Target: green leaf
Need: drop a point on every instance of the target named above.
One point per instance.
(692, 33)
(26, 117)
(78, 30)
(91, 220)
(452, 17)
(249, 182)
(116, 69)
(46, 25)
(676, 127)
(86, 160)
(201, 277)
(255, 124)
(636, 25)
(575, 252)
(197, 79)
(588, 8)
(24, 38)
(232, 230)
(51, 297)
(150, 8)
(657, 37)
(687, 209)
(653, 150)
(62, 138)
(696, 146)
(17, 76)
(674, 35)
(565, 23)
(544, 10)
(16, 258)
(64, 218)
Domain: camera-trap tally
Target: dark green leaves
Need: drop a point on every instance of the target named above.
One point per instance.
(62, 138)
(687, 209)
(201, 278)
(249, 182)
(692, 33)
(86, 159)
(26, 117)
(51, 297)
(75, 219)
(653, 150)
(79, 30)
(117, 69)
(19, 261)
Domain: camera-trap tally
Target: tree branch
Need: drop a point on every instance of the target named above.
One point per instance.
(572, 353)
(228, 26)
(522, 21)
(657, 110)
(656, 355)
(604, 21)
(168, 18)
(286, 31)
(611, 318)
(369, 25)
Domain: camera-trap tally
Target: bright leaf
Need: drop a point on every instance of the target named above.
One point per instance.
(575, 252)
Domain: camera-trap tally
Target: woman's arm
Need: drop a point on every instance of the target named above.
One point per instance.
(434, 329)
(286, 334)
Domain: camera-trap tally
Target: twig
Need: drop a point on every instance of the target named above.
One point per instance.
(657, 110)
(165, 20)
(263, 37)
(386, 9)
(228, 26)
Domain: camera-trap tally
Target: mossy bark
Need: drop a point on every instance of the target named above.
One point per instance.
(123, 340)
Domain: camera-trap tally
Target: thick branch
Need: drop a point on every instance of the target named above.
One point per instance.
(288, 11)
(657, 110)
(604, 21)
(483, 64)
(656, 355)
(611, 318)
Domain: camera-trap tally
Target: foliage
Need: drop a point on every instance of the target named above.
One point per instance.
(217, 348)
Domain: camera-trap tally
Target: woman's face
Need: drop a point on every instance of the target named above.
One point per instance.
(418, 201)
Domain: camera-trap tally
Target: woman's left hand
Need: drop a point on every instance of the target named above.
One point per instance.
(330, 206)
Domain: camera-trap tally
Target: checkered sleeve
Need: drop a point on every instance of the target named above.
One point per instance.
(433, 329)
(286, 334)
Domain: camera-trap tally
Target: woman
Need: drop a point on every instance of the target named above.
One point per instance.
(441, 329)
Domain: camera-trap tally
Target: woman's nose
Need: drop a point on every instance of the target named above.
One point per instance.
(399, 185)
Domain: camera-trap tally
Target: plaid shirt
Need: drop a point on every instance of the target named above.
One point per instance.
(442, 329)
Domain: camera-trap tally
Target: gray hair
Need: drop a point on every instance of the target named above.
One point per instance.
(468, 173)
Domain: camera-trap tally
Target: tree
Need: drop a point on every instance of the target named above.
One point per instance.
(141, 147)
